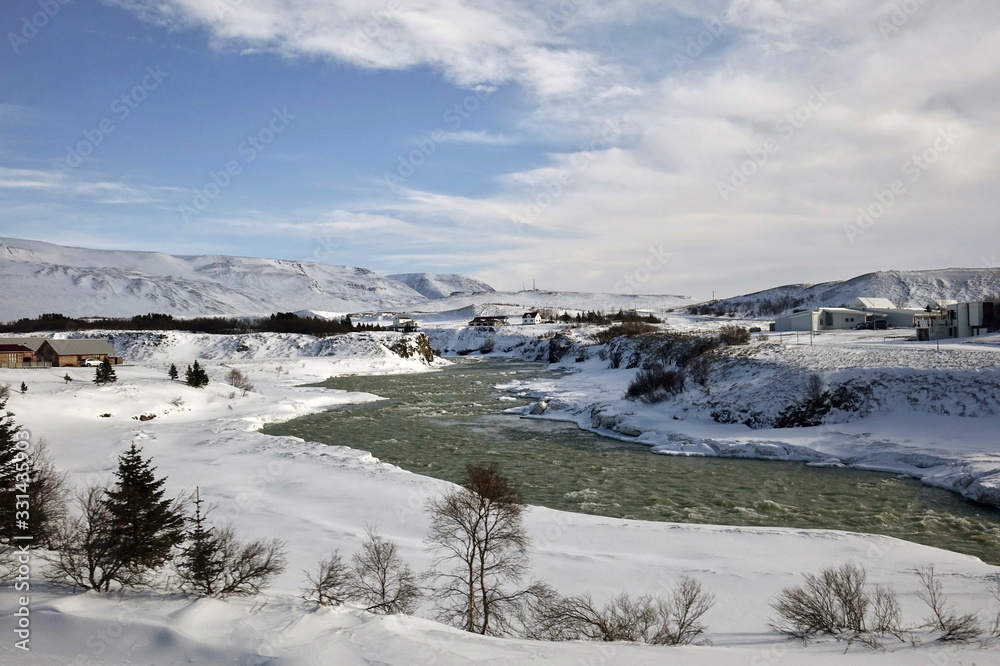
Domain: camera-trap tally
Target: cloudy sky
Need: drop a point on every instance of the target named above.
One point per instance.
(599, 145)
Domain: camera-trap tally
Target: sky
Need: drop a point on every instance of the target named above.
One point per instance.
(626, 146)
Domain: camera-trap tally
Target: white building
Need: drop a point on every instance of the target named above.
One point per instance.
(404, 323)
(896, 317)
(530, 318)
(959, 320)
(821, 319)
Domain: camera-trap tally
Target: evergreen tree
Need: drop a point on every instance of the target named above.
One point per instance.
(202, 564)
(105, 374)
(196, 376)
(10, 459)
(67, 378)
(172, 373)
(24, 388)
(146, 527)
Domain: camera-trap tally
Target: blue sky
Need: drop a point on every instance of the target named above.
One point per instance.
(619, 145)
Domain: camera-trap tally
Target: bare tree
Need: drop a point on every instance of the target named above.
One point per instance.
(954, 627)
(330, 584)
(249, 566)
(239, 380)
(381, 579)
(480, 547)
(814, 387)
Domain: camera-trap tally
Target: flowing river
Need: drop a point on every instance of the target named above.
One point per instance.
(435, 423)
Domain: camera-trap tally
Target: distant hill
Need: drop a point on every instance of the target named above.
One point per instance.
(37, 277)
(442, 285)
(904, 288)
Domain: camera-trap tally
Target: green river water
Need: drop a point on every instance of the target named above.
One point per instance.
(436, 423)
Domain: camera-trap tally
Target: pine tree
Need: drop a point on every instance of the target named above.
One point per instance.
(196, 376)
(146, 527)
(202, 564)
(10, 458)
(67, 378)
(105, 374)
(24, 388)
(172, 373)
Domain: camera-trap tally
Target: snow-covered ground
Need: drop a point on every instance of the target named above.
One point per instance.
(320, 498)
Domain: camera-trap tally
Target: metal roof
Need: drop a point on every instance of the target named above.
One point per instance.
(31, 343)
(81, 347)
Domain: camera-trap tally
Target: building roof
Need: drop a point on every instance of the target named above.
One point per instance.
(81, 347)
(873, 302)
(31, 343)
(530, 314)
(14, 349)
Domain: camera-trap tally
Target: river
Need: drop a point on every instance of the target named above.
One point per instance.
(436, 423)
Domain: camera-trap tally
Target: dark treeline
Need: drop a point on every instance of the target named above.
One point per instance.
(591, 317)
(282, 322)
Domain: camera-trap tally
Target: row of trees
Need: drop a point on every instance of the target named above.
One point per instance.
(281, 322)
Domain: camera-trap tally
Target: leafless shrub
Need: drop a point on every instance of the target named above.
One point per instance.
(248, 567)
(177, 402)
(655, 384)
(731, 334)
(4, 392)
(630, 329)
(814, 387)
(381, 579)
(329, 585)
(836, 602)
(944, 618)
(238, 380)
(674, 620)
(700, 369)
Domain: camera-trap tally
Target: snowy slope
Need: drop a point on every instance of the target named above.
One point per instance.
(442, 285)
(903, 288)
(516, 302)
(38, 277)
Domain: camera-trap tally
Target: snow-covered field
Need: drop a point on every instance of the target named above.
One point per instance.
(320, 498)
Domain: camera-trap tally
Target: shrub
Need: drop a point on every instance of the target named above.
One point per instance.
(655, 384)
(673, 620)
(836, 602)
(629, 329)
(240, 381)
(734, 335)
(954, 626)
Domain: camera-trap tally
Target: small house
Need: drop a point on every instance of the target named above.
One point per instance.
(74, 353)
(404, 323)
(531, 318)
(15, 356)
(489, 321)
(821, 319)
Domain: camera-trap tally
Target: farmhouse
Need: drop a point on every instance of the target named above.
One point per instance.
(73, 353)
(530, 318)
(15, 356)
(404, 323)
(489, 322)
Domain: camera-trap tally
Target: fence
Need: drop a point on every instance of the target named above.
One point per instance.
(26, 366)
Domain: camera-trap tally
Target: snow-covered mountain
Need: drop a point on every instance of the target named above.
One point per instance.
(903, 288)
(442, 285)
(38, 277)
